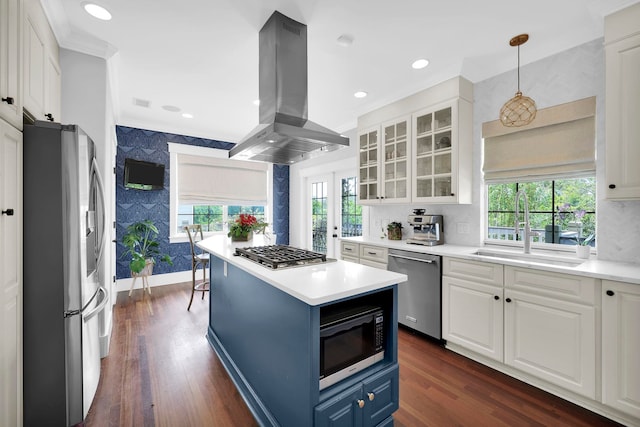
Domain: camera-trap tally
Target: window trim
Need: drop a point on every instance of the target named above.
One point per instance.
(194, 150)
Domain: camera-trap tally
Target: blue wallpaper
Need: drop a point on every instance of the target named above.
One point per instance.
(136, 205)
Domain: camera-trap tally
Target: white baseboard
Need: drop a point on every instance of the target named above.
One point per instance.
(155, 280)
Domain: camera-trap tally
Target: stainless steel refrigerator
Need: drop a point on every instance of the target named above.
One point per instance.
(64, 233)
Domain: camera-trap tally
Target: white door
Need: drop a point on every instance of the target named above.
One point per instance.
(334, 211)
(10, 275)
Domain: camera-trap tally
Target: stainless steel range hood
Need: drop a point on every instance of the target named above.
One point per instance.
(284, 134)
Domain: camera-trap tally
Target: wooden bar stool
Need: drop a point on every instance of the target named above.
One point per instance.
(198, 258)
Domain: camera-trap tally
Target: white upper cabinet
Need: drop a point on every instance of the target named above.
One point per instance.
(41, 67)
(419, 149)
(622, 50)
(11, 62)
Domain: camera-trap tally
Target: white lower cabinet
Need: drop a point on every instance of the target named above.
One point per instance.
(621, 346)
(369, 255)
(472, 315)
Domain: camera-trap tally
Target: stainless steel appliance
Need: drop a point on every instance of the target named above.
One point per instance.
(419, 299)
(281, 256)
(427, 230)
(64, 233)
(350, 341)
(285, 134)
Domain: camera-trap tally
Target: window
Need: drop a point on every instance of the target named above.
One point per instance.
(319, 216)
(562, 211)
(208, 188)
(214, 218)
(351, 211)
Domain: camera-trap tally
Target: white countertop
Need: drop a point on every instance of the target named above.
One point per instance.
(609, 270)
(315, 284)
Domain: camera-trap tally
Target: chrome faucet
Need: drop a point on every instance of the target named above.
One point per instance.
(528, 234)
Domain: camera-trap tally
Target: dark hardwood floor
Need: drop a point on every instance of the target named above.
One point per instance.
(161, 371)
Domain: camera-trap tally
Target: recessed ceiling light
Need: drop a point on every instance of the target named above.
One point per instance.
(97, 11)
(187, 115)
(345, 40)
(360, 94)
(420, 63)
(171, 108)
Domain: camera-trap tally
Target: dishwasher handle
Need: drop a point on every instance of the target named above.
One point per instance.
(426, 261)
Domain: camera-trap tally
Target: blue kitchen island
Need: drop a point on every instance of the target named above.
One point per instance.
(265, 326)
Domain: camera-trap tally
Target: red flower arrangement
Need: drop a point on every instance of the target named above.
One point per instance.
(244, 225)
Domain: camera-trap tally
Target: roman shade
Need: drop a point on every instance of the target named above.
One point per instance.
(211, 179)
(560, 142)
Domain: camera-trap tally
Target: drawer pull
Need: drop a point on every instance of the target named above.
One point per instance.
(610, 293)
(371, 396)
(496, 297)
(347, 249)
(508, 300)
(360, 403)
(372, 253)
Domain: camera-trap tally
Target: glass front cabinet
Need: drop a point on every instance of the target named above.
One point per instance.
(441, 164)
(384, 165)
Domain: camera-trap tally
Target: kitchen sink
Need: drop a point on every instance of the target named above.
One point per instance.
(530, 258)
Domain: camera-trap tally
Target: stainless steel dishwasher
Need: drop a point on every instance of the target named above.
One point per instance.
(419, 299)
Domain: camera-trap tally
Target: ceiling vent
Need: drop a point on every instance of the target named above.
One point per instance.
(141, 102)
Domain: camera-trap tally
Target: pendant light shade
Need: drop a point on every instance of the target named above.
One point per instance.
(519, 110)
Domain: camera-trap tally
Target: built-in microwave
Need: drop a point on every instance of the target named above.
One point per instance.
(350, 341)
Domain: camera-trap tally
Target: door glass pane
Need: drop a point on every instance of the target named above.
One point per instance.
(350, 212)
(442, 163)
(442, 118)
(424, 187)
(443, 186)
(424, 145)
(423, 124)
(423, 166)
(319, 216)
(443, 140)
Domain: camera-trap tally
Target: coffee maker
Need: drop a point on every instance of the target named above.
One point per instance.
(427, 229)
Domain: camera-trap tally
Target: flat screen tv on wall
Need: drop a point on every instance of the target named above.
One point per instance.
(142, 175)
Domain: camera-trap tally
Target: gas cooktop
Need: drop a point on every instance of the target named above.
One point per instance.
(281, 256)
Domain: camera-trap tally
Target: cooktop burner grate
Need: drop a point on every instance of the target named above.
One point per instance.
(281, 256)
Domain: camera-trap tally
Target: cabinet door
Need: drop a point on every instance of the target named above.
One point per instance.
(11, 62)
(395, 161)
(621, 346)
(551, 339)
(380, 396)
(344, 410)
(472, 316)
(368, 166)
(622, 124)
(34, 66)
(52, 91)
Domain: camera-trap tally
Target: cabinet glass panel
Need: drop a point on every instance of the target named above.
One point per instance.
(373, 156)
(373, 173)
(443, 140)
(424, 145)
(423, 187)
(363, 175)
(373, 191)
(389, 152)
(364, 158)
(364, 141)
(401, 189)
(443, 186)
(388, 171)
(423, 124)
(442, 118)
(442, 163)
(373, 139)
(389, 133)
(423, 166)
(401, 169)
(389, 189)
(401, 149)
(401, 130)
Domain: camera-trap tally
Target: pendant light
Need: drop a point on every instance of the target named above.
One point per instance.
(519, 110)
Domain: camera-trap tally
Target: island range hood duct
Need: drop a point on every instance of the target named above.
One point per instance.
(284, 134)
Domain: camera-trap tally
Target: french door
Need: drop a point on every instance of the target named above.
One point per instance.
(333, 211)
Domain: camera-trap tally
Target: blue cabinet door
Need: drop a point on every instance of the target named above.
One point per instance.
(381, 395)
(341, 411)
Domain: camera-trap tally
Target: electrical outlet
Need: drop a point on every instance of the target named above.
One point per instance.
(462, 227)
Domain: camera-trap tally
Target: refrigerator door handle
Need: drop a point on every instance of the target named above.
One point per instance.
(101, 304)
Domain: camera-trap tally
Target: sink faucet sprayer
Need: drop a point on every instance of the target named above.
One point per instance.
(528, 234)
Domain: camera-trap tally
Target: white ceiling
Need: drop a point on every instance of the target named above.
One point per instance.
(202, 55)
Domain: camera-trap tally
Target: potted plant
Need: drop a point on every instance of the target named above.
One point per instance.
(244, 226)
(394, 231)
(141, 241)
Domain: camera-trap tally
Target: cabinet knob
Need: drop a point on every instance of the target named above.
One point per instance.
(453, 194)
(49, 117)
(360, 403)
(8, 100)
(371, 396)
(610, 293)
(508, 300)
(612, 186)
(496, 297)
(8, 212)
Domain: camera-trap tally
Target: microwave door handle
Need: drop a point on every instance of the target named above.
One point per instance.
(340, 327)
